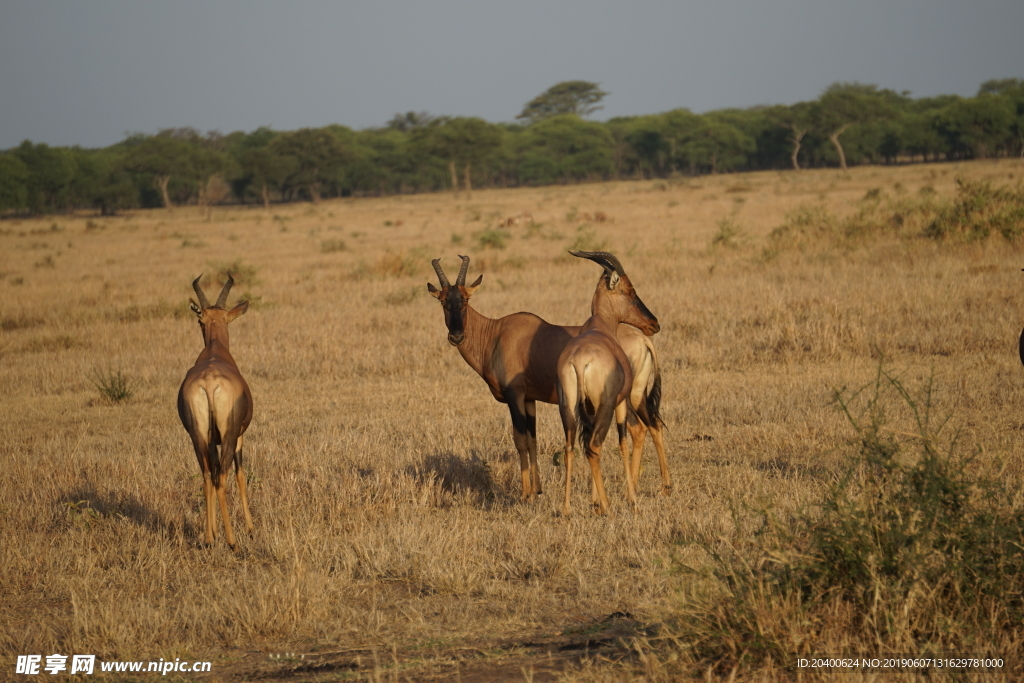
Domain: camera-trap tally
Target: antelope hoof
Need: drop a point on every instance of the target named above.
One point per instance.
(666, 490)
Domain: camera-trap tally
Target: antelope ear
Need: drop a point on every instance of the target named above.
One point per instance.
(613, 279)
(195, 307)
(434, 291)
(472, 287)
(237, 311)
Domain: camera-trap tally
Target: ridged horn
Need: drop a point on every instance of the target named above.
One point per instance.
(603, 258)
(223, 298)
(203, 301)
(441, 277)
(460, 281)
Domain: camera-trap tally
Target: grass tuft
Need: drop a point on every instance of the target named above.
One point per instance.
(493, 238)
(729, 234)
(114, 386)
(587, 240)
(333, 246)
(244, 274)
(398, 263)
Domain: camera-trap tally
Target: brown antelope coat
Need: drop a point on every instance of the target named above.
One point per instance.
(215, 407)
(595, 378)
(517, 356)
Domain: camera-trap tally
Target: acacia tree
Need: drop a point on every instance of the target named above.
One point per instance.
(462, 140)
(209, 163)
(565, 148)
(161, 157)
(798, 121)
(650, 145)
(14, 177)
(845, 104)
(50, 174)
(101, 180)
(717, 144)
(977, 127)
(568, 97)
(409, 121)
(260, 164)
(1012, 89)
(678, 127)
(318, 157)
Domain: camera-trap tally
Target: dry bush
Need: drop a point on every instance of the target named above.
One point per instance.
(397, 264)
(914, 548)
(382, 476)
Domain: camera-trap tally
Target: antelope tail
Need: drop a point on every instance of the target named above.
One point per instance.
(594, 427)
(585, 424)
(584, 421)
(213, 460)
(653, 401)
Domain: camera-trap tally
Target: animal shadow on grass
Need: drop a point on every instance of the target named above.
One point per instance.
(457, 477)
(87, 506)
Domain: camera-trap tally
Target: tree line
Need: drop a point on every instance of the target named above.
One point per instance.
(551, 142)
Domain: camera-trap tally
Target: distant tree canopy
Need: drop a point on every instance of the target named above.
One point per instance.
(568, 97)
(460, 141)
(849, 124)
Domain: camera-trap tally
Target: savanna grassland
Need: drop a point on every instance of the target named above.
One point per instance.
(390, 541)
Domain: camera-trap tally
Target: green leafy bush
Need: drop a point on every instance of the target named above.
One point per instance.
(114, 386)
(493, 238)
(979, 210)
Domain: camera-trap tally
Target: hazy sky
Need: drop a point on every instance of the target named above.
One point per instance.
(88, 72)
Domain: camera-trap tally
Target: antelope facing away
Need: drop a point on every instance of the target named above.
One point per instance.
(595, 378)
(215, 406)
(645, 400)
(517, 357)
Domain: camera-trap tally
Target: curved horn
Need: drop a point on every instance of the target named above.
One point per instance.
(603, 258)
(203, 301)
(441, 277)
(223, 298)
(460, 281)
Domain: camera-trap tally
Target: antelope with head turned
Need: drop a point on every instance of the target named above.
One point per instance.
(595, 379)
(517, 357)
(645, 400)
(215, 407)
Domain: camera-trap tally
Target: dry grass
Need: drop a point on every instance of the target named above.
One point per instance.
(384, 482)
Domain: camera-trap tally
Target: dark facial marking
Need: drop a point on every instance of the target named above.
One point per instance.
(454, 305)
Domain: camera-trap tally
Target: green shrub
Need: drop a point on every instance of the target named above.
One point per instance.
(913, 548)
(493, 238)
(979, 210)
(912, 514)
(806, 224)
(113, 385)
(586, 240)
(332, 246)
(399, 263)
(244, 274)
(728, 235)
